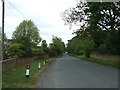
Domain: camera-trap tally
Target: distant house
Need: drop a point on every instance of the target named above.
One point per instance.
(38, 46)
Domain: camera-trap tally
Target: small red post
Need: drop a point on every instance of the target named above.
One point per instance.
(27, 70)
(28, 66)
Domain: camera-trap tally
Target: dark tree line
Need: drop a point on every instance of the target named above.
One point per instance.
(99, 21)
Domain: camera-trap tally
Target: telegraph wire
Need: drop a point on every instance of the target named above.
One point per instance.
(25, 18)
(16, 9)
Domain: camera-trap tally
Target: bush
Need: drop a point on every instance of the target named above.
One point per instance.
(15, 50)
(87, 45)
(87, 53)
(6, 54)
(52, 53)
(38, 52)
(112, 43)
(81, 52)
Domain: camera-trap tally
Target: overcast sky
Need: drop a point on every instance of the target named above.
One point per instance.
(44, 13)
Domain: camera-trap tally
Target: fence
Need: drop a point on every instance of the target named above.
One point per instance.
(14, 62)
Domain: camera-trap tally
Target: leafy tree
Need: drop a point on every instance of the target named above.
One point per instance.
(81, 46)
(95, 15)
(97, 20)
(52, 50)
(87, 45)
(74, 42)
(27, 34)
(106, 16)
(51, 47)
(112, 43)
(44, 46)
(59, 46)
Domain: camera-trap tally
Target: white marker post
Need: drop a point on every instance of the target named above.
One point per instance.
(44, 62)
(39, 65)
(27, 70)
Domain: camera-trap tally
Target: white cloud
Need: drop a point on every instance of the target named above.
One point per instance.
(44, 13)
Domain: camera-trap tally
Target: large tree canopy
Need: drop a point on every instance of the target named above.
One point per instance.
(81, 46)
(99, 15)
(44, 46)
(93, 17)
(27, 34)
(97, 20)
(57, 47)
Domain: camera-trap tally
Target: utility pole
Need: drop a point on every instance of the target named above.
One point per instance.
(3, 15)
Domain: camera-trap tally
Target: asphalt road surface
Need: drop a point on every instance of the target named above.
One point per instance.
(70, 72)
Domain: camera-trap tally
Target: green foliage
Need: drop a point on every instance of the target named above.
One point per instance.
(94, 15)
(27, 34)
(73, 45)
(97, 20)
(51, 47)
(57, 47)
(52, 51)
(44, 46)
(80, 46)
(15, 50)
(111, 44)
(6, 54)
(38, 52)
(81, 52)
(87, 45)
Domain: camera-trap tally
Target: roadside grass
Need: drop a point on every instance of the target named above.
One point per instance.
(16, 78)
(108, 57)
(114, 64)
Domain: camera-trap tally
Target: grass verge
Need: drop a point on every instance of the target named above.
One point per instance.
(114, 64)
(15, 78)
